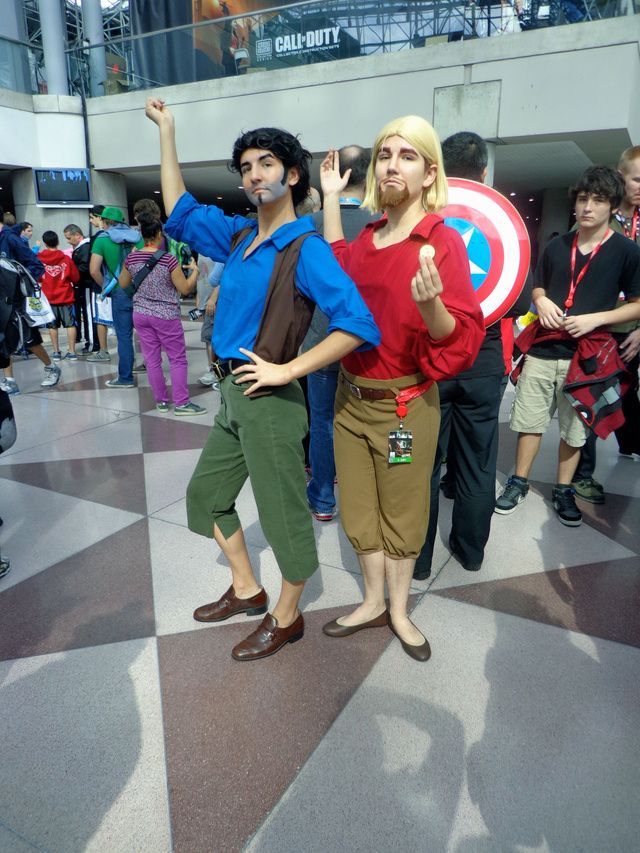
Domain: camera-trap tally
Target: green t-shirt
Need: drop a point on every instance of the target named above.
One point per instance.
(112, 253)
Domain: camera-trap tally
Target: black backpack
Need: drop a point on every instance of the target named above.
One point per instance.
(16, 283)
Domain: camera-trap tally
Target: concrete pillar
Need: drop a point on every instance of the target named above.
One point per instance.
(54, 41)
(555, 214)
(93, 29)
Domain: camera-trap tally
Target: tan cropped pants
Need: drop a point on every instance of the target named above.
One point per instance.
(383, 506)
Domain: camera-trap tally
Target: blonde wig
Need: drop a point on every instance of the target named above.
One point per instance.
(420, 134)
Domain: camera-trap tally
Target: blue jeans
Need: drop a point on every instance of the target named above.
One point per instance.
(122, 306)
(321, 387)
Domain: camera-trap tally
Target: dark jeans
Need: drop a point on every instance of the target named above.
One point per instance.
(321, 388)
(469, 435)
(122, 306)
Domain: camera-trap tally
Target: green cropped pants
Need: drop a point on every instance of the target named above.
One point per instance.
(261, 439)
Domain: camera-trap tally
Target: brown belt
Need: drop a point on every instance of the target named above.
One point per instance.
(368, 393)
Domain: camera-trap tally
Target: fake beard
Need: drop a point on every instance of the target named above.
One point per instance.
(271, 192)
(392, 197)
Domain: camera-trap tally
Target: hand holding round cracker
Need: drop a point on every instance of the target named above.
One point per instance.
(426, 284)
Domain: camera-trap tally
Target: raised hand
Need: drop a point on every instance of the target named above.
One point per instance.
(158, 112)
(426, 283)
(330, 179)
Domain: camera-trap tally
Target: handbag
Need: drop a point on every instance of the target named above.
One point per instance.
(102, 310)
(37, 310)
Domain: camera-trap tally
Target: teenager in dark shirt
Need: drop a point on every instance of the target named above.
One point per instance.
(577, 284)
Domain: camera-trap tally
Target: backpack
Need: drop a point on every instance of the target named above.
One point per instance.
(16, 283)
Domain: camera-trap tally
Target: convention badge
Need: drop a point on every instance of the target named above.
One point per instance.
(427, 251)
(497, 244)
(400, 445)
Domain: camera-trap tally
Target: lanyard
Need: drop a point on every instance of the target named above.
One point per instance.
(350, 201)
(407, 394)
(568, 303)
(634, 226)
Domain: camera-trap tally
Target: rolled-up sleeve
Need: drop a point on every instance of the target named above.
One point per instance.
(446, 357)
(321, 278)
(204, 227)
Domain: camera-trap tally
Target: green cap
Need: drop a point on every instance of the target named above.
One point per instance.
(113, 213)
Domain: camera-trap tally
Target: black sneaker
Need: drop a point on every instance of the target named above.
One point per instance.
(515, 491)
(564, 504)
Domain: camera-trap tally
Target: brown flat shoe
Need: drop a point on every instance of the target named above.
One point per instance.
(230, 604)
(267, 639)
(335, 629)
(420, 653)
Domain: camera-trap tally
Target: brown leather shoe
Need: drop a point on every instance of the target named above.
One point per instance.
(267, 639)
(335, 629)
(420, 653)
(230, 604)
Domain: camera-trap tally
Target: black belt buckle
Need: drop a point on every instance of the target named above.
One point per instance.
(219, 370)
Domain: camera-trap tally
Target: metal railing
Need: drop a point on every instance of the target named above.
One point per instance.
(288, 36)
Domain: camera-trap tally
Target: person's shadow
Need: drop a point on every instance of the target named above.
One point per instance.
(71, 740)
(380, 795)
(556, 768)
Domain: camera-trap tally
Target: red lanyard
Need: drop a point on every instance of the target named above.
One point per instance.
(634, 226)
(568, 303)
(407, 394)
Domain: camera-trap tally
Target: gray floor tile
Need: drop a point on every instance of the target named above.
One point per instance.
(83, 751)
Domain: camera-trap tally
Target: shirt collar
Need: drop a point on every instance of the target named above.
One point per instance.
(423, 229)
(290, 231)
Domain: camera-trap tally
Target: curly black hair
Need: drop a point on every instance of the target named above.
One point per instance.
(599, 180)
(283, 145)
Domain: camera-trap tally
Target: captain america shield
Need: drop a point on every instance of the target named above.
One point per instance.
(497, 244)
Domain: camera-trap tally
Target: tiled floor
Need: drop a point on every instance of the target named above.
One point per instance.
(126, 726)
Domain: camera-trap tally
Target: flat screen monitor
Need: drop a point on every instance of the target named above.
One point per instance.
(62, 187)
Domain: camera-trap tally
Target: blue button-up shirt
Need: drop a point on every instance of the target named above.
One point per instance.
(245, 281)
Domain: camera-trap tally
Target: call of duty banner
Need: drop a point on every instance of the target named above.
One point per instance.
(259, 40)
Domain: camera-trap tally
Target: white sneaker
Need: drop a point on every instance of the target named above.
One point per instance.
(208, 378)
(9, 386)
(51, 376)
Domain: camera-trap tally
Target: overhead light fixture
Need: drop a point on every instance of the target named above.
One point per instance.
(218, 197)
(156, 192)
(532, 199)
(512, 194)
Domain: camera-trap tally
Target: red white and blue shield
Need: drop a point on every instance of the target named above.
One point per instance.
(497, 244)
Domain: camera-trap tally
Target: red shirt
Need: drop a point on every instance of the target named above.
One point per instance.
(383, 277)
(60, 274)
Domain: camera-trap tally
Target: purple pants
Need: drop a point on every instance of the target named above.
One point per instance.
(155, 335)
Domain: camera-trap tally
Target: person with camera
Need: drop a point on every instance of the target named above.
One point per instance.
(157, 281)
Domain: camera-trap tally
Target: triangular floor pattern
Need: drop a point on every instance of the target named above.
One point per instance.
(237, 734)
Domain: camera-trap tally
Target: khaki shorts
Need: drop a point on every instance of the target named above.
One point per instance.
(384, 507)
(539, 395)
